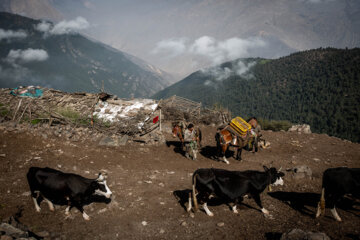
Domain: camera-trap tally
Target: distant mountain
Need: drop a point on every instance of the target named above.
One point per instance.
(29, 55)
(320, 87)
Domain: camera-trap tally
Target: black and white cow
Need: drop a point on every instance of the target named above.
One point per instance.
(55, 186)
(336, 183)
(231, 186)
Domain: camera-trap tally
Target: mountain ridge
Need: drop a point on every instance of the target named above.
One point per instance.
(320, 87)
(74, 62)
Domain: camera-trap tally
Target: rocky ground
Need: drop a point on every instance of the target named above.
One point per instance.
(150, 183)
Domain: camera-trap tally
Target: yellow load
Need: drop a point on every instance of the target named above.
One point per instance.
(240, 126)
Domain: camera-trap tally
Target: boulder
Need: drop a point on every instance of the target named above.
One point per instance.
(298, 234)
(300, 128)
(300, 172)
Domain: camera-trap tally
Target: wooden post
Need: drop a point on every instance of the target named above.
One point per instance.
(160, 120)
(17, 109)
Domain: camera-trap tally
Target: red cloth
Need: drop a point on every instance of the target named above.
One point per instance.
(156, 119)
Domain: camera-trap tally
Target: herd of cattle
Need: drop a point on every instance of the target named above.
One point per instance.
(56, 187)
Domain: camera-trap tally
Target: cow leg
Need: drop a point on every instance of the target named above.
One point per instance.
(258, 202)
(233, 206)
(67, 210)
(50, 204)
(208, 212)
(37, 207)
(190, 204)
(335, 214)
(331, 200)
(81, 209)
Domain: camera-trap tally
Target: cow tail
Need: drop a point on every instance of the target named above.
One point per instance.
(322, 201)
(196, 206)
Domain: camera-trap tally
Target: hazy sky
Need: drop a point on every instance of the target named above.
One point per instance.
(184, 36)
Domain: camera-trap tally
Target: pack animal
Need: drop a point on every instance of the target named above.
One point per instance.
(337, 182)
(225, 139)
(231, 186)
(56, 186)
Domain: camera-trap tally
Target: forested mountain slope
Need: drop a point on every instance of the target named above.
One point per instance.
(70, 61)
(320, 87)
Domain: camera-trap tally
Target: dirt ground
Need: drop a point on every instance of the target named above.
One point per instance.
(149, 184)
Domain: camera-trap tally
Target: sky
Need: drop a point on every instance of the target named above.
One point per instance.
(181, 37)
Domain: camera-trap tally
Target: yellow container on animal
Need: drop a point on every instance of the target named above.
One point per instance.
(240, 125)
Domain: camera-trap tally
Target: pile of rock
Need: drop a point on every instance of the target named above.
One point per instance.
(300, 128)
(298, 234)
(12, 229)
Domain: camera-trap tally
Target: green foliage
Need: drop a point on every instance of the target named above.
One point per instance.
(4, 111)
(274, 125)
(74, 116)
(35, 121)
(318, 87)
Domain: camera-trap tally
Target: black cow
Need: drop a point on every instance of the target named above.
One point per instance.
(55, 186)
(336, 183)
(231, 186)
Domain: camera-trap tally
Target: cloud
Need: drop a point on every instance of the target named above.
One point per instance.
(209, 48)
(171, 47)
(221, 51)
(8, 34)
(27, 55)
(63, 27)
(218, 74)
(43, 26)
(317, 1)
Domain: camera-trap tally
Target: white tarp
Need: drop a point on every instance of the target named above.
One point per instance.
(124, 109)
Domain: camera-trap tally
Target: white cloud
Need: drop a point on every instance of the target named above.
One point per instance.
(63, 27)
(171, 47)
(209, 48)
(71, 26)
(7, 34)
(43, 26)
(218, 74)
(221, 51)
(27, 55)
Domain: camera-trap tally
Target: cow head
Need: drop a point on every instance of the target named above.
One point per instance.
(275, 176)
(101, 187)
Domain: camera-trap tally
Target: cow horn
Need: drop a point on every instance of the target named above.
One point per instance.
(100, 178)
(280, 169)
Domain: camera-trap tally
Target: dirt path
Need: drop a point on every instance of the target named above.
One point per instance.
(144, 179)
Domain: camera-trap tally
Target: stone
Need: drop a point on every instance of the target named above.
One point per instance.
(6, 237)
(300, 128)
(298, 234)
(12, 231)
(43, 234)
(303, 171)
(220, 224)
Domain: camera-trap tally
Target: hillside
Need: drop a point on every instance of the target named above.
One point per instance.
(70, 62)
(150, 185)
(319, 87)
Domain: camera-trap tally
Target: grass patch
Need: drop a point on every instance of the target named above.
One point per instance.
(275, 125)
(264, 61)
(4, 111)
